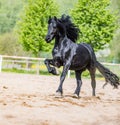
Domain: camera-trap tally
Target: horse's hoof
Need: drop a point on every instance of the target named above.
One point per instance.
(58, 95)
(75, 96)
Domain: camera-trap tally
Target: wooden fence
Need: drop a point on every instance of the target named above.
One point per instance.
(22, 63)
(37, 64)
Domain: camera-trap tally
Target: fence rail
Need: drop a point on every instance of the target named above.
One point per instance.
(22, 63)
(37, 64)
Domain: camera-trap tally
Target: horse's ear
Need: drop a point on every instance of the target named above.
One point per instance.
(55, 18)
(49, 19)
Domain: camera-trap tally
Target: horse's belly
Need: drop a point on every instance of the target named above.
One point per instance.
(79, 63)
(78, 67)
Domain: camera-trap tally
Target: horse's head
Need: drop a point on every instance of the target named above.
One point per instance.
(52, 29)
(62, 26)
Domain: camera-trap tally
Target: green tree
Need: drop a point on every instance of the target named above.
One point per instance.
(96, 22)
(65, 6)
(115, 43)
(9, 14)
(33, 25)
(9, 45)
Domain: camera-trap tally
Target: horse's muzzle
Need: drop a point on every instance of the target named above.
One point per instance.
(47, 39)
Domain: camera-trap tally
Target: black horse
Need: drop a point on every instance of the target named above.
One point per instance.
(72, 56)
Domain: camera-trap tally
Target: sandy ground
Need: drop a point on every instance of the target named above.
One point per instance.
(30, 100)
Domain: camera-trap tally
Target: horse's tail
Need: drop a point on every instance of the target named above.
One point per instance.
(110, 77)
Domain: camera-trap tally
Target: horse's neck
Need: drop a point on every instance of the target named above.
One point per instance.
(58, 43)
(59, 38)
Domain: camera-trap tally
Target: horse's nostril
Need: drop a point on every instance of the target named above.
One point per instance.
(47, 38)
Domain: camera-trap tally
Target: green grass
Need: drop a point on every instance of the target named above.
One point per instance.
(14, 70)
(18, 71)
(115, 69)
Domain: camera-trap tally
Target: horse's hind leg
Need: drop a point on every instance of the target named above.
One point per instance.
(79, 83)
(93, 81)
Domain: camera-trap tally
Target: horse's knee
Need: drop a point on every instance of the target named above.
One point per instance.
(46, 61)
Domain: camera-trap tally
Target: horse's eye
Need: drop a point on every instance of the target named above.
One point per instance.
(54, 27)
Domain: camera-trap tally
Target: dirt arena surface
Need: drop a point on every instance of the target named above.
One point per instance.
(29, 100)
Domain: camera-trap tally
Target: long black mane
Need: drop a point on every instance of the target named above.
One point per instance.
(72, 31)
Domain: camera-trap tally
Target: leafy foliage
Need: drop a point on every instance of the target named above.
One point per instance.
(9, 14)
(33, 25)
(96, 22)
(9, 45)
(115, 43)
(65, 6)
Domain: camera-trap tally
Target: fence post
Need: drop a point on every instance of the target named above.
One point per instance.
(27, 64)
(68, 73)
(0, 63)
(37, 66)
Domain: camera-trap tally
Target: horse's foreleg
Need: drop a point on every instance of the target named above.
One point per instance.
(79, 83)
(59, 91)
(49, 62)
